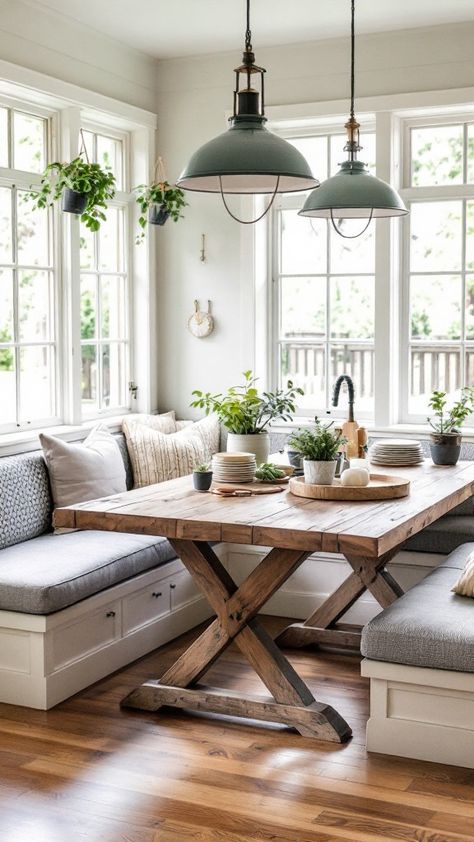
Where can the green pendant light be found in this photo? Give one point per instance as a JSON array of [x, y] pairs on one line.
[[247, 158], [353, 193]]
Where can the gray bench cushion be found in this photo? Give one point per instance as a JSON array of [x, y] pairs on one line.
[[443, 536], [53, 571], [427, 627]]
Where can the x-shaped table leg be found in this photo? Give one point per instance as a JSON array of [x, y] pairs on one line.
[[368, 574], [236, 609]]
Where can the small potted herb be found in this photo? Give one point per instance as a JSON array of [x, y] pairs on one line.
[[202, 477], [246, 414], [445, 445], [158, 202], [84, 189], [319, 448]]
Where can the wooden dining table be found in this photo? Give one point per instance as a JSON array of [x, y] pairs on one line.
[[368, 534]]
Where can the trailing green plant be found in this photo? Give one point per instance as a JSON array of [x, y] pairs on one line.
[[450, 420], [202, 469], [242, 410], [96, 183], [268, 472], [320, 444], [159, 193]]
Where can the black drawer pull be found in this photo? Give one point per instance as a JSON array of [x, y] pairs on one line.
[[156, 594], [110, 614], [172, 587]]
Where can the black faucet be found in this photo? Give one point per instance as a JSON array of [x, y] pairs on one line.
[[350, 390]]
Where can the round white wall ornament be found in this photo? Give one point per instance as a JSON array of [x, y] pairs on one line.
[[201, 323]]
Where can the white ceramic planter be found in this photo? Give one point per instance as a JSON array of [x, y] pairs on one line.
[[319, 473], [257, 443]]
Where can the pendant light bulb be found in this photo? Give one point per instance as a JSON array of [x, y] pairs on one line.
[[247, 159], [353, 193]]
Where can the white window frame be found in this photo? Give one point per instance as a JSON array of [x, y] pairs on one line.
[[70, 107]]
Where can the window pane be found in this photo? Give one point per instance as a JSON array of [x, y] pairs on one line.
[[366, 154], [435, 307], [304, 364], [87, 246], [432, 368], [36, 383], [437, 155], [470, 153], [470, 235], [109, 156], [6, 306], [358, 362], [352, 307], [89, 375], [112, 307], [469, 311], [5, 225], [347, 254], [32, 227], [303, 247], [7, 386], [88, 307], [34, 306], [303, 307], [28, 142], [89, 142], [436, 236], [113, 374], [111, 242], [4, 137], [314, 149]]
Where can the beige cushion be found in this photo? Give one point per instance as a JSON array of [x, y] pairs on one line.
[[84, 471], [164, 423], [157, 457], [465, 584]]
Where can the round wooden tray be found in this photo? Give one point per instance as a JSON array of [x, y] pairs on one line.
[[380, 487]]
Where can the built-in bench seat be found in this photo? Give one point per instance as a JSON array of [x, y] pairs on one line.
[[419, 655]]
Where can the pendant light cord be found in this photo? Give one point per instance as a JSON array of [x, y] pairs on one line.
[[351, 236], [248, 33], [248, 221], [352, 59]]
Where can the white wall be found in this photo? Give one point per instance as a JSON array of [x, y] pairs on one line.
[[58, 46], [193, 96]]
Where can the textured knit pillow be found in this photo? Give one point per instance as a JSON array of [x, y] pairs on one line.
[[157, 457], [86, 470], [465, 584], [164, 423]]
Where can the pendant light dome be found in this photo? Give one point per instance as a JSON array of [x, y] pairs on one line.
[[247, 158], [353, 193]]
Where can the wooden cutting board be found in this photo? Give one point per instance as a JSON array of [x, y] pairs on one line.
[[249, 489]]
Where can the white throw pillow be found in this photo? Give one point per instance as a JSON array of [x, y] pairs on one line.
[[465, 584], [157, 457], [164, 423], [86, 470]]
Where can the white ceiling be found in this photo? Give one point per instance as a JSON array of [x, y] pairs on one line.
[[172, 28]]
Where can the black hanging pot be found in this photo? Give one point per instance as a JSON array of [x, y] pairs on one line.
[[74, 202], [445, 448], [158, 214]]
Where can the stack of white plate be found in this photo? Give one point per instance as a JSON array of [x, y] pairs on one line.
[[234, 467], [397, 452]]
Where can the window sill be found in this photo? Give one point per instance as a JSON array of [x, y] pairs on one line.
[[421, 431], [12, 444]]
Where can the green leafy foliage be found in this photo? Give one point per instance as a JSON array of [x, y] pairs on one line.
[[160, 193], [83, 177], [450, 420], [268, 472], [202, 469], [243, 411], [320, 444]]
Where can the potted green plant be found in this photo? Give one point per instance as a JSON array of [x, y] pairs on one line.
[[246, 414], [84, 189], [157, 202], [202, 477], [319, 448], [445, 445]]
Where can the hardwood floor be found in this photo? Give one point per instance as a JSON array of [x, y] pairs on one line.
[[88, 770]]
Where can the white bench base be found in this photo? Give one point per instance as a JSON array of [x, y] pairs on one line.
[[424, 714], [45, 659]]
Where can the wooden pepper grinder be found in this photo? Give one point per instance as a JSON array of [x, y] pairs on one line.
[[350, 427]]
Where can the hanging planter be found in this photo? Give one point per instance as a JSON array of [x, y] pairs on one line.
[[158, 201], [83, 188]]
